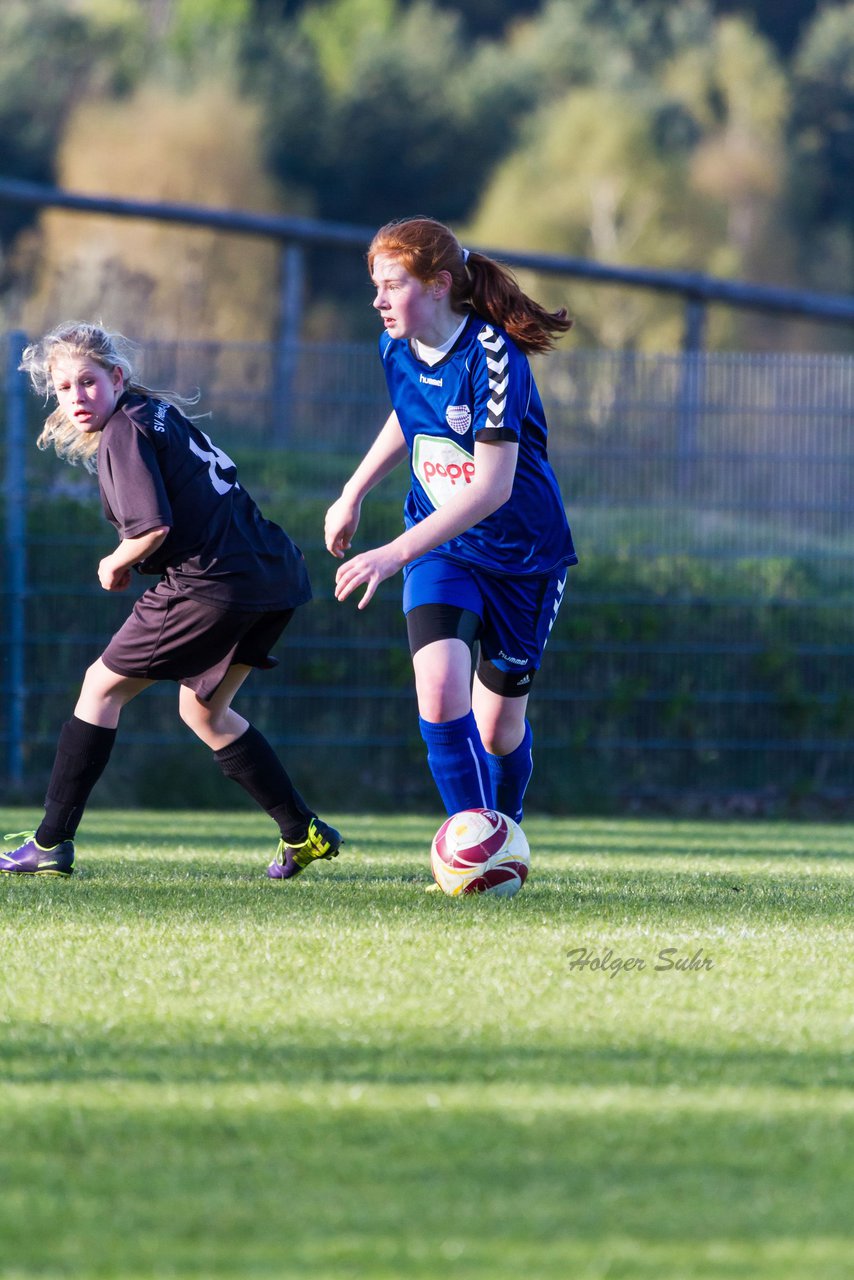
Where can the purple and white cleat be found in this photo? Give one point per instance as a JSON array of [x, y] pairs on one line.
[[30, 859]]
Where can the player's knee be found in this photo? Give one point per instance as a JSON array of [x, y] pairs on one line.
[[96, 678], [441, 705], [103, 688], [500, 740], [194, 714], [501, 727]]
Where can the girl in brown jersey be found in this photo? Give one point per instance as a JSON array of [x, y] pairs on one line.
[[228, 584]]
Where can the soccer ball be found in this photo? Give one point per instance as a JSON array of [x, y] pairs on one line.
[[480, 851]]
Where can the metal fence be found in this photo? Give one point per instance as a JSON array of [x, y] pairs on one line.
[[704, 656]]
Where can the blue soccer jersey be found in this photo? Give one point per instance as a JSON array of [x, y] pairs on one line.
[[483, 389]]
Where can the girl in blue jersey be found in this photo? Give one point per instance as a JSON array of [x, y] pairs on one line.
[[228, 584], [486, 543]]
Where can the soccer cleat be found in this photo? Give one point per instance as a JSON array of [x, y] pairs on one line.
[[321, 842], [30, 859]]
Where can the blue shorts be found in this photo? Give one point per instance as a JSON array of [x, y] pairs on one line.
[[516, 614]]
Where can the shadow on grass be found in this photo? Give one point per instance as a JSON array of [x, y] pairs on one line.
[[156, 886], [43, 1055], [301, 1189], [229, 833]]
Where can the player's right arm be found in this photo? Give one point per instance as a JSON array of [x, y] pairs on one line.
[[342, 519], [114, 569]]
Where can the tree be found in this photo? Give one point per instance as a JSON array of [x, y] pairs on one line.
[[403, 116], [780, 21], [736, 92], [44, 66], [591, 181], [490, 18], [677, 163], [823, 122], [197, 145]]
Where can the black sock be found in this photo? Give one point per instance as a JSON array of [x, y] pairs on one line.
[[81, 757], [251, 762]]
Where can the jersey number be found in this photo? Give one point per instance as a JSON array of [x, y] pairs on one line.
[[215, 458]]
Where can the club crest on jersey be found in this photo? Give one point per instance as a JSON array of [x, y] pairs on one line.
[[458, 418]]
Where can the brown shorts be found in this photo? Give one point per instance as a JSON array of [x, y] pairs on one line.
[[169, 636]]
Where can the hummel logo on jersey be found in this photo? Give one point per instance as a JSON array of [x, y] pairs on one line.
[[431, 382], [497, 361], [517, 662], [458, 418]]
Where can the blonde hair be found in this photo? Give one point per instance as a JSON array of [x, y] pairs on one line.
[[79, 340], [424, 247]]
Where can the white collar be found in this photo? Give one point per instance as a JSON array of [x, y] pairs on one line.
[[432, 355]]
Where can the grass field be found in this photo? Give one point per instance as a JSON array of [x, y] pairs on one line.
[[208, 1075]]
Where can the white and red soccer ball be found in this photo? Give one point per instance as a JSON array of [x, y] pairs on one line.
[[480, 851]]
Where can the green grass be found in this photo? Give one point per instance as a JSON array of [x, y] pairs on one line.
[[208, 1075]]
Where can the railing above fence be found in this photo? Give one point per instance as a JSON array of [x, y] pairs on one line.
[[295, 234]]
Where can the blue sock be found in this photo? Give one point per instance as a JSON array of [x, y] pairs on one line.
[[510, 776], [457, 761]]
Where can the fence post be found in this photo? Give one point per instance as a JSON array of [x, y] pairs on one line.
[[690, 394], [694, 331], [290, 330], [15, 483]]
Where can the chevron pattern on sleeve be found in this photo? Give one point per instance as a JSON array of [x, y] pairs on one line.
[[497, 361]]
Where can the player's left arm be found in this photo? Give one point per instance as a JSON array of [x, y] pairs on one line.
[[490, 488]]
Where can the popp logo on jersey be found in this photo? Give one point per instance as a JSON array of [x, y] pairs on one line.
[[441, 466]]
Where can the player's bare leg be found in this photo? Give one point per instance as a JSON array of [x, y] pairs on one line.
[[215, 721], [104, 695], [501, 720], [507, 739], [443, 680], [246, 757]]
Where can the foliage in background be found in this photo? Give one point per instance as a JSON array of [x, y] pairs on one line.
[[404, 116], [822, 140], [667, 170], [42, 66], [161, 142], [709, 136]]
